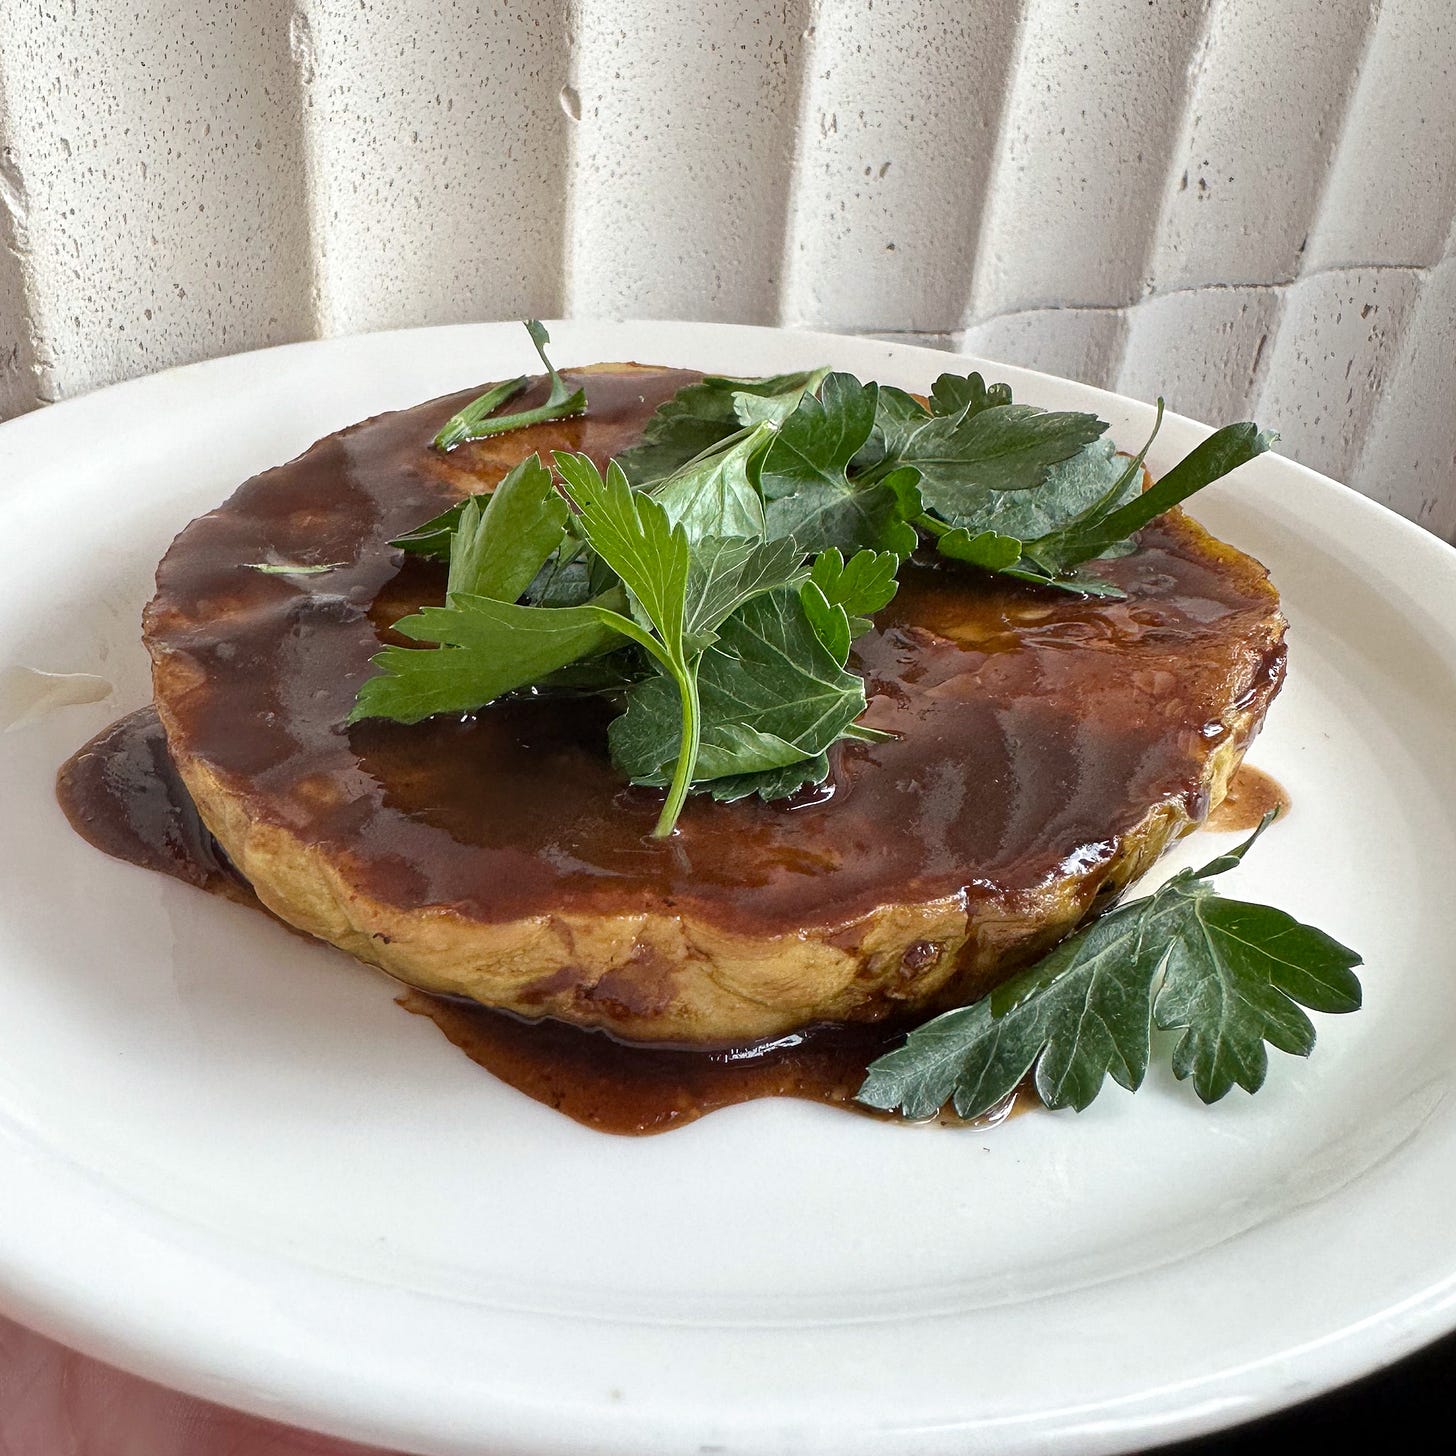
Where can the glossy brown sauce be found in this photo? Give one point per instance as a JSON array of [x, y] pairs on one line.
[[1251, 794], [122, 793], [616, 1087], [1031, 730]]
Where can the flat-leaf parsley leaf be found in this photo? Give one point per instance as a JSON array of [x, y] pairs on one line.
[[1229, 975]]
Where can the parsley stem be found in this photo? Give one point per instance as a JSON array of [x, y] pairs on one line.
[[463, 426], [686, 675], [478, 419]]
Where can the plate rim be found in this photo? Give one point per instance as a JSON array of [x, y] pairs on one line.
[[135, 1338]]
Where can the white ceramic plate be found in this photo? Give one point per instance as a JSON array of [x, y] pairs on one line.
[[230, 1163]]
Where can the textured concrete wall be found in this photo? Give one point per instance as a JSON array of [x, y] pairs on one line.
[[1246, 206]]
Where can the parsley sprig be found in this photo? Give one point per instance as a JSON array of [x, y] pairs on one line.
[[679, 599], [479, 419], [713, 579], [1226, 975], [775, 693], [1031, 493]]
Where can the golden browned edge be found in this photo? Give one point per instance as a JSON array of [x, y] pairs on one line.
[[671, 977]]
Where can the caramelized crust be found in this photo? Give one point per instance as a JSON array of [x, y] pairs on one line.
[[1049, 748]]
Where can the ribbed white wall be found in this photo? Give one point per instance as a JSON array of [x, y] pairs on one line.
[[1246, 205]]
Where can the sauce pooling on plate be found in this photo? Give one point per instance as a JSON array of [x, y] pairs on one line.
[[122, 793], [1251, 795], [1029, 731]]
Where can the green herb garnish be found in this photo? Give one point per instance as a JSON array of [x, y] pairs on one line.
[[1229, 975], [635, 538], [811, 494], [1010, 488], [478, 419], [718, 493], [288, 568], [701, 415], [771, 691], [985, 447], [668, 596], [712, 581]]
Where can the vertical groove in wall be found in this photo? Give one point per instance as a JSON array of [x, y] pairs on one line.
[[1322, 183], [683, 157], [1195, 69], [1408, 457], [159, 155], [1308, 316], [1355, 326], [1236, 210], [1392, 187], [570, 100], [1339, 344], [798, 58], [301, 52], [20, 379], [822, 24], [439, 155], [1202, 349], [1095, 96], [1389, 201], [898, 126], [1238, 207]]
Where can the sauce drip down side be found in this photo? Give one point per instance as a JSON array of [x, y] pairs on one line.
[[1251, 795], [613, 1086], [1028, 730], [122, 794], [1026, 734]]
